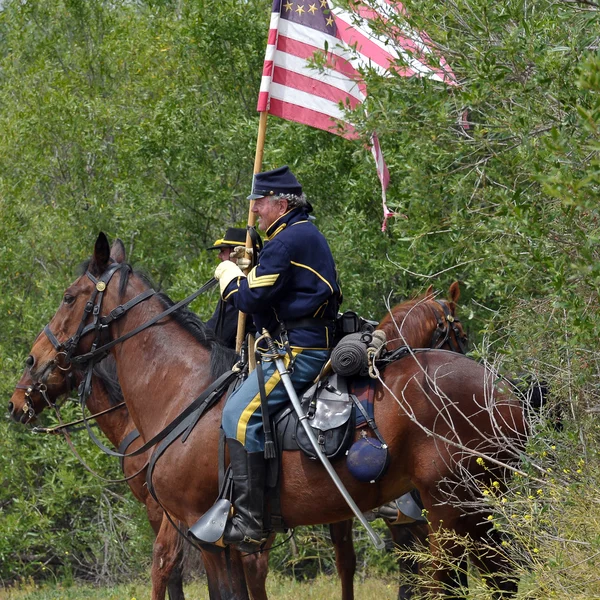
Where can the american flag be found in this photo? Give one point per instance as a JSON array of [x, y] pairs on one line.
[[294, 90]]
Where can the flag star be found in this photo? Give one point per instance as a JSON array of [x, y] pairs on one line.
[[312, 9], [323, 3], [288, 5], [329, 21], [300, 9]]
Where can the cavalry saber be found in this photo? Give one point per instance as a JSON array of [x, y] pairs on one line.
[[289, 388]]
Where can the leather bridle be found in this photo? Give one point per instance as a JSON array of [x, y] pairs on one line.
[[98, 324], [447, 324], [65, 357]]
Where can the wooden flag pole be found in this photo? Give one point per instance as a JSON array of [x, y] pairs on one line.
[[258, 158]]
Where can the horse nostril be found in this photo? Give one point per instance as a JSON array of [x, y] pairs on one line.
[[30, 362], [11, 407]]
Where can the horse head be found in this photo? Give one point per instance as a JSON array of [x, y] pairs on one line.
[[426, 322], [32, 396], [49, 369]]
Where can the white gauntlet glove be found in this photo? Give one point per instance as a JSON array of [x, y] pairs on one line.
[[226, 272]]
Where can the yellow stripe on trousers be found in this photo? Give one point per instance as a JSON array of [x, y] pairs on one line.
[[255, 402]]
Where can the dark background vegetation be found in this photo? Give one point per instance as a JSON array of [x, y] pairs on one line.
[[138, 118]]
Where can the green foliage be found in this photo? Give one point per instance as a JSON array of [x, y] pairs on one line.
[[495, 197], [138, 118], [310, 553]]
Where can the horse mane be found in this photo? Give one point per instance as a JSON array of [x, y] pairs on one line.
[[404, 315], [106, 371], [222, 358]]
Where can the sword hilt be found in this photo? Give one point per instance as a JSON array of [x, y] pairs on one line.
[[270, 343]]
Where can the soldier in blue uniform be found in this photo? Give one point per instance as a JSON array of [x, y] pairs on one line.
[[294, 294], [225, 318]]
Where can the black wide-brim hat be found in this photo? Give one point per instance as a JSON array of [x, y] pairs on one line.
[[275, 182], [234, 236]]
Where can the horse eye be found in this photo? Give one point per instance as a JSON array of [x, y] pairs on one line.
[[68, 299]]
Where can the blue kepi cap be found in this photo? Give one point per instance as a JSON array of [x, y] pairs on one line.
[[275, 182]]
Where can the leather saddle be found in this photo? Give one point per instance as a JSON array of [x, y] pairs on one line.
[[330, 410]]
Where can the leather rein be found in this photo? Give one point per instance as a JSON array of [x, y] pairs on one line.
[[99, 324]]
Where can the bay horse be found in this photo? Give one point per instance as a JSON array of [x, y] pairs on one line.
[[424, 322], [437, 410], [32, 396]]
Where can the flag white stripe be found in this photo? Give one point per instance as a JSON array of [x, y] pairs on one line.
[[270, 53], [265, 82], [306, 100], [274, 20]]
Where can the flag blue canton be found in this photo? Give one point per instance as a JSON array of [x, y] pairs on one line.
[[316, 15]]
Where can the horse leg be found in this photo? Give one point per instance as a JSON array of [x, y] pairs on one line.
[[256, 567], [166, 563], [175, 583], [450, 564], [495, 567], [345, 557], [225, 575], [405, 537], [452, 579]]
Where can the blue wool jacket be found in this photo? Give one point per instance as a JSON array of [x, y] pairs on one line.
[[294, 279]]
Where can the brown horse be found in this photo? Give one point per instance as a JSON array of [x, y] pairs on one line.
[[422, 322], [116, 425], [437, 411], [31, 397]]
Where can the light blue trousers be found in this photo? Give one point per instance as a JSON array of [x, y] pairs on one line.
[[242, 415]]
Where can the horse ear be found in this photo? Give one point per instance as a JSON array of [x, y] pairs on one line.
[[454, 295], [101, 256], [429, 291], [117, 251]]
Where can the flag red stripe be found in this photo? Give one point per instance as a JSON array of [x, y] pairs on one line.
[[313, 87], [397, 6], [272, 37], [267, 68], [404, 42], [419, 51], [263, 99], [306, 116]]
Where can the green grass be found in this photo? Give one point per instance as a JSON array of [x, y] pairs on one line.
[[321, 588]]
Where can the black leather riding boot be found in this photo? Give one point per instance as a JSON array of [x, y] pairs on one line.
[[245, 529]]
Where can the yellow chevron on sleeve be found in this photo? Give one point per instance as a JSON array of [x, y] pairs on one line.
[[255, 281]]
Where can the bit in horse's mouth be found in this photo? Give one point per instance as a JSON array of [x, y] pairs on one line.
[[21, 415], [26, 418]]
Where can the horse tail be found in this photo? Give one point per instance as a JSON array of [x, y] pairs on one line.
[[534, 395]]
